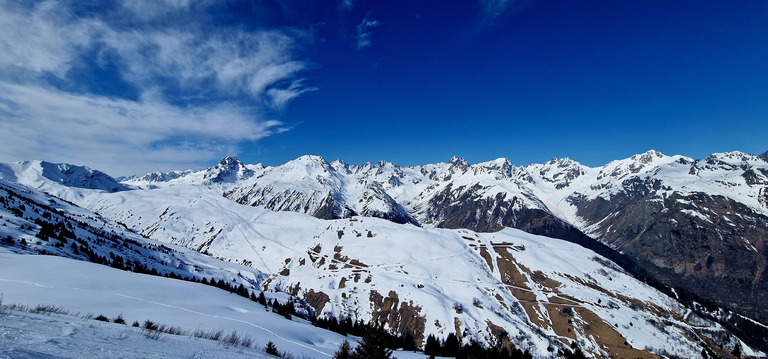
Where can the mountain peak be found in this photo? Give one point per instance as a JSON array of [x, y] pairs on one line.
[[647, 157], [499, 164], [732, 157], [764, 156], [79, 176], [458, 161], [458, 165], [230, 169], [230, 161], [562, 162], [310, 159]]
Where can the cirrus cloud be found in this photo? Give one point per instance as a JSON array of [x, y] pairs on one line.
[[119, 136], [200, 90]]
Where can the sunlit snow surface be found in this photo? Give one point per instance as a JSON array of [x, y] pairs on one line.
[[82, 288]]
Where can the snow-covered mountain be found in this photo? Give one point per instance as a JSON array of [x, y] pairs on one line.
[[32, 173], [500, 287], [694, 224]]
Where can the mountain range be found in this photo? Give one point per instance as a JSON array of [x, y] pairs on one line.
[[699, 225], [431, 250]]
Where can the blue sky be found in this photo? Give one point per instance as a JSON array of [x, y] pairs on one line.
[[137, 86]]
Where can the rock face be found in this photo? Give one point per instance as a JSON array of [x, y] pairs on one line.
[[699, 225], [710, 245], [764, 156]]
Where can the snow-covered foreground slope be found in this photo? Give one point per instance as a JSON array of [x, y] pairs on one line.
[[80, 287], [43, 336]]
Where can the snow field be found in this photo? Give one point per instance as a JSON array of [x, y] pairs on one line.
[[89, 288]]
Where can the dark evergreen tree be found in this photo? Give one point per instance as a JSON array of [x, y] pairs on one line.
[[241, 291], [8, 240], [451, 346], [737, 350], [409, 342], [373, 345], [262, 299], [271, 349], [432, 347], [344, 352]]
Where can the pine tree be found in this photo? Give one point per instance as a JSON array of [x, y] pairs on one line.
[[409, 342], [373, 346], [241, 291], [432, 347], [261, 299], [344, 352], [271, 349], [451, 346], [737, 350]]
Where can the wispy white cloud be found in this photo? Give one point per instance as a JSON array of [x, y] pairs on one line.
[[41, 39], [239, 75], [364, 32], [115, 135], [153, 9], [233, 62]]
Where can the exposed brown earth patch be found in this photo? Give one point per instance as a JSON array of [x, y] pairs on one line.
[[608, 338], [508, 270], [404, 318], [316, 300], [294, 290], [457, 327], [561, 323], [487, 256]]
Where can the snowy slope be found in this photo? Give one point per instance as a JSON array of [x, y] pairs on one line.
[[36, 222], [28, 335], [429, 281], [80, 287]]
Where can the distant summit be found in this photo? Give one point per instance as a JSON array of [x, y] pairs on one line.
[[36, 172], [229, 170]]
